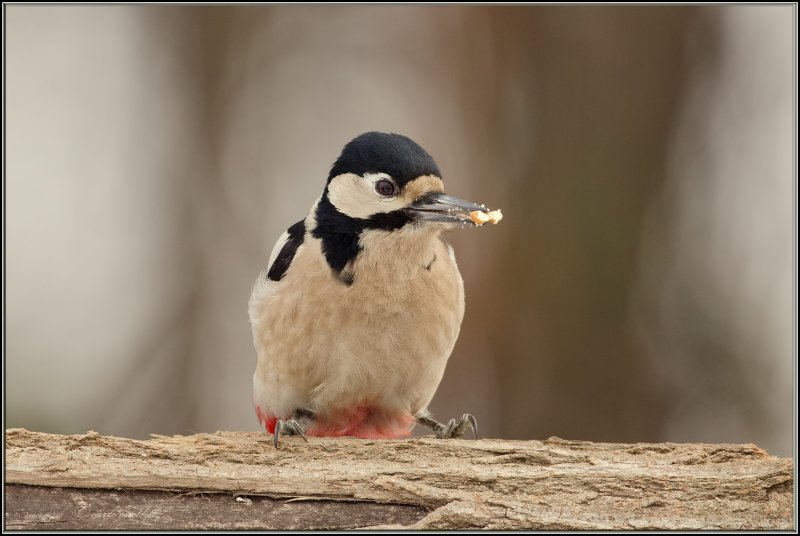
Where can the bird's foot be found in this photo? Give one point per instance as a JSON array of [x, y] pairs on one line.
[[453, 429], [290, 427]]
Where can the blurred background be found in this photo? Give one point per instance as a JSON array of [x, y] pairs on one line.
[[640, 287]]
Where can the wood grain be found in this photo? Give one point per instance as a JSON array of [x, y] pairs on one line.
[[44, 508], [463, 484]]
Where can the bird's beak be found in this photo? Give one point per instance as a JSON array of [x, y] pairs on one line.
[[440, 207]]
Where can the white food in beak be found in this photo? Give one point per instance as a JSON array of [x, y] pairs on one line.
[[480, 217]]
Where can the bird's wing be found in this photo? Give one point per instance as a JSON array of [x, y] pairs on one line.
[[279, 261], [284, 250], [277, 249]]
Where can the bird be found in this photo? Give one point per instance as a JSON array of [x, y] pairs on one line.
[[361, 303]]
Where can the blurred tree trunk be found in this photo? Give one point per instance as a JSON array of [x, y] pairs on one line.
[[566, 354]]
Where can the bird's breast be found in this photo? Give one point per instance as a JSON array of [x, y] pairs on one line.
[[380, 343]]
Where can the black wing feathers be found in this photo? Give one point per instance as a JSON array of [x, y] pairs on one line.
[[284, 259]]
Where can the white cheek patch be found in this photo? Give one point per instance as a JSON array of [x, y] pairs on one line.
[[356, 196]]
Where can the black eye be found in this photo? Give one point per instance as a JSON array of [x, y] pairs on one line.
[[385, 188]]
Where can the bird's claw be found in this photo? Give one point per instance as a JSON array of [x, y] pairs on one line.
[[473, 423], [456, 429], [291, 427]]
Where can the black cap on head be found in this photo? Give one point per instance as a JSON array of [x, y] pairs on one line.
[[377, 152]]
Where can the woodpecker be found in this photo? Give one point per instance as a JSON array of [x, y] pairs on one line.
[[361, 304]]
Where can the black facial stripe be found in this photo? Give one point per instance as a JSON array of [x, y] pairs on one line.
[[284, 259], [387, 221], [339, 232], [376, 152]]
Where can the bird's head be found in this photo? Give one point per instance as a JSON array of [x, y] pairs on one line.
[[384, 185], [387, 181]]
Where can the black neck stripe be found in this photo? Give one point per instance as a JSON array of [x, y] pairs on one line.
[[339, 232]]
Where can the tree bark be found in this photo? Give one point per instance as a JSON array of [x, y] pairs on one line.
[[417, 483]]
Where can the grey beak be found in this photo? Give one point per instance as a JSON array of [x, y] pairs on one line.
[[439, 207]]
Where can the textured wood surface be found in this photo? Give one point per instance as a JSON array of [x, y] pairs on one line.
[[554, 484], [44, 508]]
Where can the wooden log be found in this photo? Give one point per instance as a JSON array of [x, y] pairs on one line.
[[230, 480], [44, 508]]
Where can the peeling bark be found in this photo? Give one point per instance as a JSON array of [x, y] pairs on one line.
[[453, 484]]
